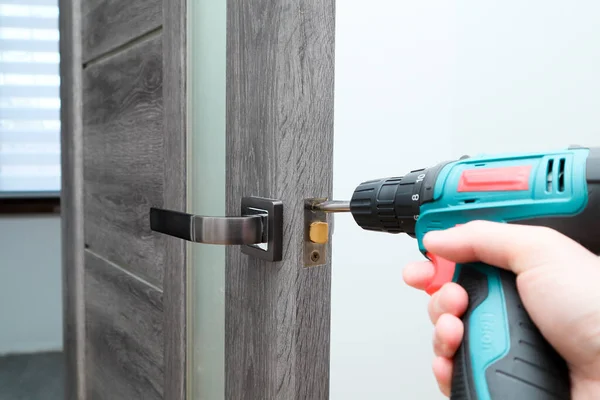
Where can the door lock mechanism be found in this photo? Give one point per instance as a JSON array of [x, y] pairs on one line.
[[259, 228]]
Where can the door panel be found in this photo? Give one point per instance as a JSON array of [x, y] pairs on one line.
[[125, 305], [123, 166], [108, 24], [280, 66], [124, 332], [123, 151]]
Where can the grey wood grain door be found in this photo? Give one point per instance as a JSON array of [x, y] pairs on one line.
[[125, 88]]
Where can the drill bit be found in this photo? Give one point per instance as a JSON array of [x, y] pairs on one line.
[[331, 206]]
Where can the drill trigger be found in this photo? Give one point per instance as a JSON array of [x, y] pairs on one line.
[[443, 273]]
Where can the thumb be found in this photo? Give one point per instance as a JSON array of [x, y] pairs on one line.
[[514, 247]]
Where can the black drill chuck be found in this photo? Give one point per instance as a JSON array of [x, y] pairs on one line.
[[392, 204]]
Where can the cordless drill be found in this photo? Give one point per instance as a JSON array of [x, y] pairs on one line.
[[502, 355]]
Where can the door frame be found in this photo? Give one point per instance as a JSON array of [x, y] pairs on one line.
[[175, 195], [71, 198]]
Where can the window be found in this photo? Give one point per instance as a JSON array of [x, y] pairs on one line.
[[29, 99]]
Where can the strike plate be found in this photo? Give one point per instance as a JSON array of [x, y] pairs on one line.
[[315, 254]]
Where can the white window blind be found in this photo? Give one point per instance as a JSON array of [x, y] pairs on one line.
[[29, 98]]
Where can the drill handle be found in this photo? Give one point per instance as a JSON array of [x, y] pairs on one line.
[[503, 355]]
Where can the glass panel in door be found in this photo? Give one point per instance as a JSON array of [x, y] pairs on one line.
[[206, 195]]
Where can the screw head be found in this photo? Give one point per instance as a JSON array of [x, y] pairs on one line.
[[315, 256]]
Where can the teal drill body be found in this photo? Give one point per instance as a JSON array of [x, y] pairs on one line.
[[553, 184], [503, 355]]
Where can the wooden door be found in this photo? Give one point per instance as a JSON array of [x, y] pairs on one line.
[[123, 129], [125, 150]]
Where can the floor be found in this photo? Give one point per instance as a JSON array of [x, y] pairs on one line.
[[36, 376]]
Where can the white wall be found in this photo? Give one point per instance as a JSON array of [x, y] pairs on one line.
[[421, 82], [30, 284]]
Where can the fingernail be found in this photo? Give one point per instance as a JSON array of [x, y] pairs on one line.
[[445, 389], [434, 236], [440, 233]]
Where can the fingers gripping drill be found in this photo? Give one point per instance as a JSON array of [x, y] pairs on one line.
[[503, 355]]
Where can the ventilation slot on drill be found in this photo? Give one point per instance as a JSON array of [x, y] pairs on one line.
[[549, 169], [561, 175]]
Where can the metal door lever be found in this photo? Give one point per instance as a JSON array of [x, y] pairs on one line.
[[210, 230], [259, 229]]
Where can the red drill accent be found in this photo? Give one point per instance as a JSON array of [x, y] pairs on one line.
[[495, 179]]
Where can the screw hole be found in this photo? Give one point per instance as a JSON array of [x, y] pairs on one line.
[[315, 256]]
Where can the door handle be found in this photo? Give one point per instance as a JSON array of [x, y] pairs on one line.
[[259, 228], [210, 230]]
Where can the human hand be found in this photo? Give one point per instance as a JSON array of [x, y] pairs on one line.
[[558, 281]]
